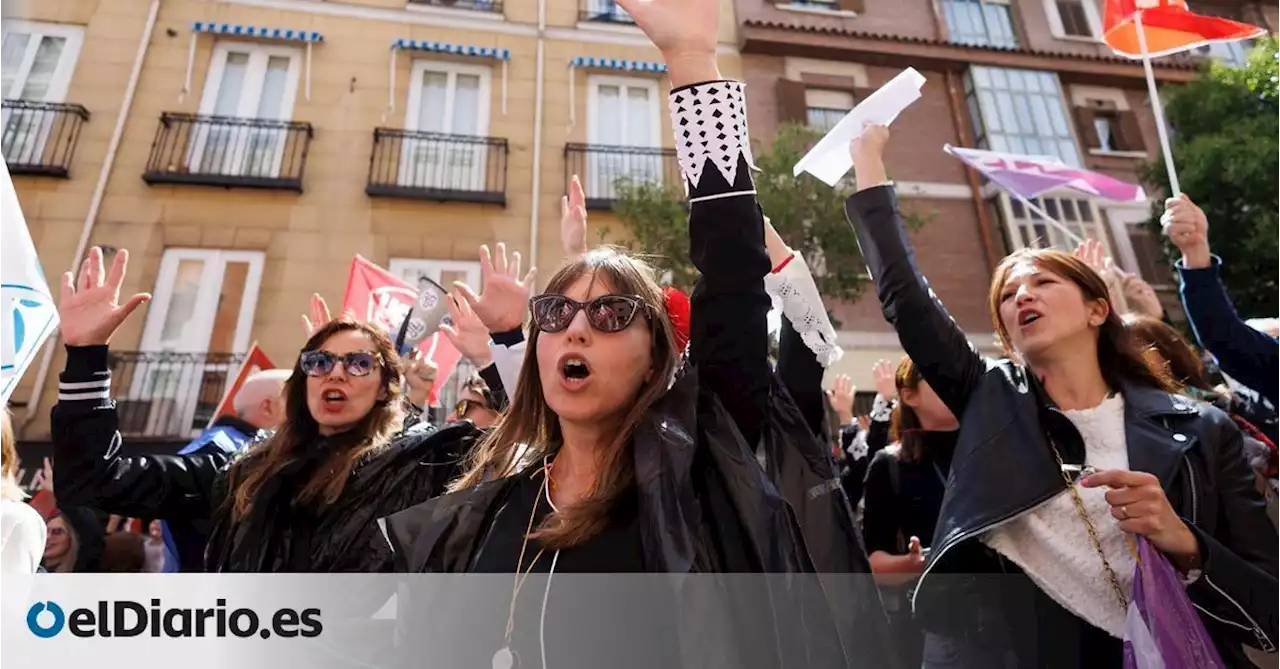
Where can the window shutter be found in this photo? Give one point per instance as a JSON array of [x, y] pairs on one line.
[[852, 5], [1088, 133], [791, 103], [1131, 132]]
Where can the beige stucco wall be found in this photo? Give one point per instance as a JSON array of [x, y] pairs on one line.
[[310, 238]]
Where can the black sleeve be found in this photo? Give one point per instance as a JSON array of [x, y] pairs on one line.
[[877, 436], [926, 331], [801, 373], [1236, 592], [89, 469], [880, 520], [729, 343], [494, 380]]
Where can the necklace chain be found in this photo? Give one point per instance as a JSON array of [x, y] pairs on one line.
[[1092, 531], [522, 573]]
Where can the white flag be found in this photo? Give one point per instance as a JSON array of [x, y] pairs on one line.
[[29, 312], [829, 159]]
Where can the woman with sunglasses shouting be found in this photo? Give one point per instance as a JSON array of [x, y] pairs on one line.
[[306, 499], [610, 460]]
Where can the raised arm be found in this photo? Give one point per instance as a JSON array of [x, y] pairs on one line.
[[86, 442], [926, 331]]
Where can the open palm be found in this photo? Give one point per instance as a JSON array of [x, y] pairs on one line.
[[89, 309], [505, 297], [573, 220], [677, 27], [467, 333]]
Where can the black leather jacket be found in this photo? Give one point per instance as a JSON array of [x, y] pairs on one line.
[[1004, 465]]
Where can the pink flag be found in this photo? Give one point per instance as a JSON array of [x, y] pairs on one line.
[[1029, 176]]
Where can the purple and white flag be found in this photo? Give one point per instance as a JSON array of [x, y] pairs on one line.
[[1029, 176]]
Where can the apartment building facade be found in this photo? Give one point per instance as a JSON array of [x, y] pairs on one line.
[[244, 151], [1020, 76]]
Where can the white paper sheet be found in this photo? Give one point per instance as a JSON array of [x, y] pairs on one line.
[[829, 159]]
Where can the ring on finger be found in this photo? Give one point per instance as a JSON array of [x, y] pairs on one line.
[[1124, 512]]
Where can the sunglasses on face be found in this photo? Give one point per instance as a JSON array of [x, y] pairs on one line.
[[465, 406], [608, 313], [321, 363]]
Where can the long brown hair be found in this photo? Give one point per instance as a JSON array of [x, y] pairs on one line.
[[1119, 355], [1179, 357], [9, 488], [530, 423], [905, 427], [300, 429]]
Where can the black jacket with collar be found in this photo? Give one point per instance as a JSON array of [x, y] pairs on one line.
[[1004, 465]]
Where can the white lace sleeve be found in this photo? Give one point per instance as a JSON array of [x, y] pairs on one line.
[[802, 305]]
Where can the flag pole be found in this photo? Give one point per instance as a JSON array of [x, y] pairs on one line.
[[1156, 108]]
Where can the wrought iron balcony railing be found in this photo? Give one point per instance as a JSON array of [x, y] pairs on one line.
[[40, 137], [603, 11], [169, 396], [230, 152], [494, 6], [435, 166], [601, 168]]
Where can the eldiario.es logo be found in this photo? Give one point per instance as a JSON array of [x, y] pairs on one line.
[[122, 618]]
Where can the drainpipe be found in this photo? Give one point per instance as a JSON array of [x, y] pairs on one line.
[[95, 203], [540, 79], [975, 186]]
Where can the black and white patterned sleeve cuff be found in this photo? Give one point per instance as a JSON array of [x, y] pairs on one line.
[[881, 409], [87, 378], [712, 143]]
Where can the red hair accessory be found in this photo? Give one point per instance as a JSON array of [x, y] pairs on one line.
[[678, 312]]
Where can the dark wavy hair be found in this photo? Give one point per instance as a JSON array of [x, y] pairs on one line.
[[1119, 355], [1177, 355], [905, 427], [299, 429]]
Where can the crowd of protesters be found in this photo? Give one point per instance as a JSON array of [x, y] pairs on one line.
[[634, 429]]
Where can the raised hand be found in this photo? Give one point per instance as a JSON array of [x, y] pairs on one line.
[[89, 310], [318, 316], [684, 31], [573, 221], [883, 373], [1140, 296], [467, 333], [867, 153], [505, 298], [841, 398], [1188, 229], [1091, 253], [420, 375]]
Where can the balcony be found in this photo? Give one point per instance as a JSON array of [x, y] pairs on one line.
[[601, 168], [603, 11], [40, 137], [439, 167], [169, 396], [229, 152], [494, 6]]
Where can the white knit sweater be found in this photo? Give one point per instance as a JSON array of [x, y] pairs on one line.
[[1050, 542]]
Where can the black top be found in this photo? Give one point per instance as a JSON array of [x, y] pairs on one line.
[[889, 519], [584, 624]]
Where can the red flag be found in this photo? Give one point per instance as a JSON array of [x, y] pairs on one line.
[[256, 361], [1169, 27], [377, 296]]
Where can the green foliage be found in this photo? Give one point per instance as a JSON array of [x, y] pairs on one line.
[[1224, 127], [807, 213]]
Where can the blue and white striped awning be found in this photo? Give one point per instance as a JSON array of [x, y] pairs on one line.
[[617, 64], [257, 31], [455, 49]]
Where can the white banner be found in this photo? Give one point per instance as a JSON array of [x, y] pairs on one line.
[[29, 311]]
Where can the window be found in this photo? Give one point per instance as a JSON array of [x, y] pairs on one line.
[[1107, 125], [1074, 19], [825, 108], [1233, 54], [443, 272], [204, 303], [1020, 111], [246, 81], [624, 118], [1137, 249], [1105, 121], [979, 23], [1028, 229], [606, 10], [38, 60], [445, 99], [37, 63]]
